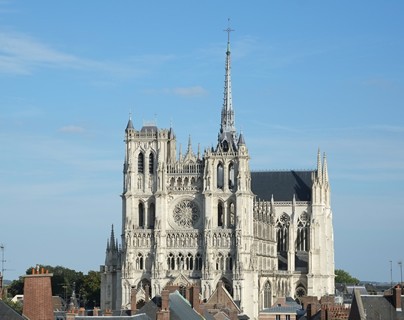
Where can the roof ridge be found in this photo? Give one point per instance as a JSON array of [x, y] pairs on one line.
[[284, 170]]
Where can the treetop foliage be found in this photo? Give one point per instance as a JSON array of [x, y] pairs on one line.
[[65, 281], [341, 276]]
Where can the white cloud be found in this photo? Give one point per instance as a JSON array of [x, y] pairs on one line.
[[72, 129], [22, 54], [189, 91], [19, 53]]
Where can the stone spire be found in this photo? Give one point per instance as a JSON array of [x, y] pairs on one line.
[[227, 136], [129, 126], [112, 239], [319, 166], [325, 169]]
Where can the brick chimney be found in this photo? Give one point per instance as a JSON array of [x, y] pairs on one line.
[[165, 294], [397, 298], [38, 295], [195, 299], [164, 313]]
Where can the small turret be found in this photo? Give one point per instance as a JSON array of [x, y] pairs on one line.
[[241, 141], [129, 126]]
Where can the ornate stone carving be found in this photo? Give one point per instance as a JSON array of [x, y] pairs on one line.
[[186, 214]]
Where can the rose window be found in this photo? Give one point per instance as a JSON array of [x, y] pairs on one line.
[[186, 214]]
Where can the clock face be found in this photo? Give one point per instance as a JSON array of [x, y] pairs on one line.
[[186, 214]]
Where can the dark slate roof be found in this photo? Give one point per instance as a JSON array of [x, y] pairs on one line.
[[135, 317], [180, 309], [378, 307], [8, 313], [149, 128], [282, 185], [151, 307]]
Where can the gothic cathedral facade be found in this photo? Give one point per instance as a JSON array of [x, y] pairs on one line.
[[205, 218]]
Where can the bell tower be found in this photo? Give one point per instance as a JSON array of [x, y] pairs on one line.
[[228, 201]]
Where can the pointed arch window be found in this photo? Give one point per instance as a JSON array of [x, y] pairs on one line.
[[267, 295], [151, 163], [198, 261], [231, 176], [220, 214], [302, 237], [220, 176], [189, 262], [152, 215], [180, 262], [141, 215], [140, 163], [139, 261], [220, 262], [282, 232], [171, 262], [229, 262], [232, 214], [225, 146]]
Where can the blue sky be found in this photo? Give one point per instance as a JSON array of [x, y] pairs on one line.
[[305, 75]]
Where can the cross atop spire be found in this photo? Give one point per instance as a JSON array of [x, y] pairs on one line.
[[228, 30]]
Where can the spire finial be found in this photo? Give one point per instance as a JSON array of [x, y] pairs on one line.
[[319, 165], [325, 169], [228, 30]]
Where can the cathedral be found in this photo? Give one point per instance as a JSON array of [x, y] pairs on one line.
[[203, 218]]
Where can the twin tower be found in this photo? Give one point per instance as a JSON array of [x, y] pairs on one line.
[[204, 218]]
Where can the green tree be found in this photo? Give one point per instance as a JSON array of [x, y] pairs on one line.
[[341, 276], [64, 282], [17, 306], [91, 289]]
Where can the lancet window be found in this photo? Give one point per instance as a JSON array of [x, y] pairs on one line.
[[180, 262], [152, 215], [171, 262], [141, 215], [140, 163], [220, 262], [189, 262], [198, 261], [302, 237], [229, 262], [231, 176], [232, 214], [282, 232], [151, 163], [220, 176], [139, 262], [220, 214], [267, 295]]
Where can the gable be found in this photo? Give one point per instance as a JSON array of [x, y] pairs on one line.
[[221, 298]]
